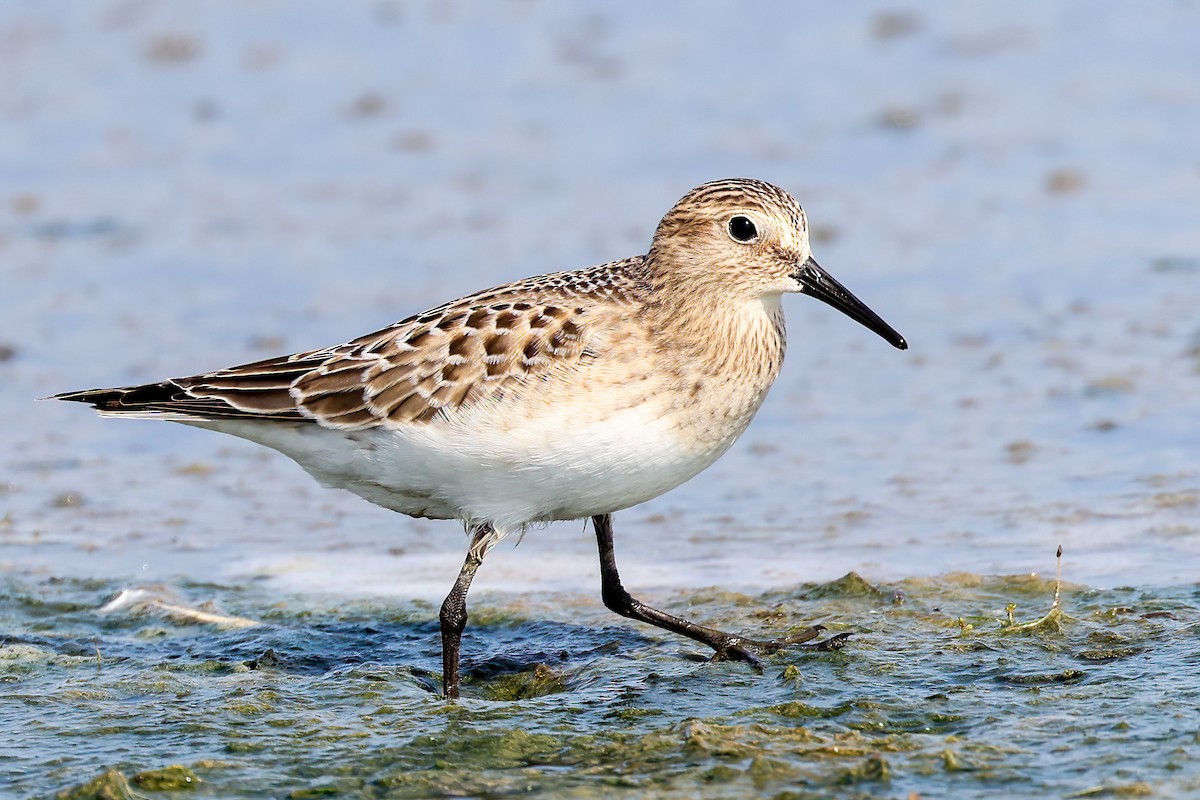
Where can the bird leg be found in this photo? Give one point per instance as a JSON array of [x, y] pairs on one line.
[[453, 616], [724, 645]]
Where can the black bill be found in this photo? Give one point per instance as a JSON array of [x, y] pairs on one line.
[[821, 285]]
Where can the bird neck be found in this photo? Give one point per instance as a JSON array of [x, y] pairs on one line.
[[741, 338]]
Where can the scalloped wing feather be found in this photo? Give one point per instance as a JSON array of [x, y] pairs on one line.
[[473, 350]]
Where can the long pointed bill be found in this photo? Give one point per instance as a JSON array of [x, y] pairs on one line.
[[821, 285]]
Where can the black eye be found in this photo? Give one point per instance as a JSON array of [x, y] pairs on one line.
[[742, 229]]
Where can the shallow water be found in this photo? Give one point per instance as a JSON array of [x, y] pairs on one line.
[[187, 186], [958, 686]]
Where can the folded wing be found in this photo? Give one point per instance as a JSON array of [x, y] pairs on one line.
[[411, 372]]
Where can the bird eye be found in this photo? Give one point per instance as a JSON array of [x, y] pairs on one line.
[[742, 229]]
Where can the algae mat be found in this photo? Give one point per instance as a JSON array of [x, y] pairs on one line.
[[957, 686]]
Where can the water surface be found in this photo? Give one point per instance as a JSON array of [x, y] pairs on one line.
[[188, 186]]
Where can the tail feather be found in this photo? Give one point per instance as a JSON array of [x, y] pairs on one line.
[[171, 400]]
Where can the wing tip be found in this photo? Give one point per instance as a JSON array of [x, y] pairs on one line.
[[120, 400], [175, 401], [97, 397]]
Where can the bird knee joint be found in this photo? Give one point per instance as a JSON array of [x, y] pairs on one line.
[[619, 601]]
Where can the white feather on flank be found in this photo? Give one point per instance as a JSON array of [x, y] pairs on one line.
[[556, 467], [165, 416]]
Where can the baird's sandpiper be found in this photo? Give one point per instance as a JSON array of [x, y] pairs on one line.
[[559, 397]]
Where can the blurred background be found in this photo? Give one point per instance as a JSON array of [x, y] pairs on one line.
[[185, 186]]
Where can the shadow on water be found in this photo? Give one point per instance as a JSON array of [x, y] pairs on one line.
[[959, 685]]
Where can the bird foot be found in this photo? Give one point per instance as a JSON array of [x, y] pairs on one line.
[[741, 648]]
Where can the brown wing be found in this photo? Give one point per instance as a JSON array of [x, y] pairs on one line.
[[463, 356], [443, 359], [465, 352]]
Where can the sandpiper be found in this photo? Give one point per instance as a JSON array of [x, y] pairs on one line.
[[559, 397]]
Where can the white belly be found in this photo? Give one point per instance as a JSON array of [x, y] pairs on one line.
[[550, 467]]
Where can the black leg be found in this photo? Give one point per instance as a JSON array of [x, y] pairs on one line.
[[724, 645], [454, 608]]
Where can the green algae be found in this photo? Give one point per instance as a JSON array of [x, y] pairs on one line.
[[168, 779], [335, 702], [873, 768], [850, 585], [539, 681], [1128, 790], [110, 785]]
